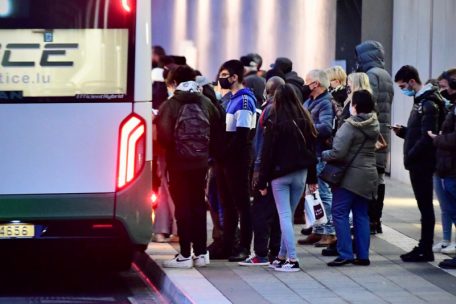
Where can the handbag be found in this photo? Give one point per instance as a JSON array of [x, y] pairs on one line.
[[333, 174]]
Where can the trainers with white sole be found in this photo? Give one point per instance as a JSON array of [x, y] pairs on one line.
[[201, 260], [450, 249], [289, 266], [255, 261], [179, 261], [439, 246]]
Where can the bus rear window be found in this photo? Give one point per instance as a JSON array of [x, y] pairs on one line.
[[66, 51]]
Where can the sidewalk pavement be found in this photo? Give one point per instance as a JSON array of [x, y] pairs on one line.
[[387, 280]]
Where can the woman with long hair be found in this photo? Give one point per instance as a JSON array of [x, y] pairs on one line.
[[288, 160]]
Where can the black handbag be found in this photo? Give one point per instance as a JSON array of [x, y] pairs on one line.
[[334, 173]]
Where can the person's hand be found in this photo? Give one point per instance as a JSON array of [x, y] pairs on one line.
[[255, 179], [396, 129], [432, 135], [264, 191], [313, 188]]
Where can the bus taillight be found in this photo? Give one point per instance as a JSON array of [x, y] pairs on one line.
[[132, 149]]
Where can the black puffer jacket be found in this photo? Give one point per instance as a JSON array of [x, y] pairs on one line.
[[371, 59], [446, 146], [284, 151], [426, 115]]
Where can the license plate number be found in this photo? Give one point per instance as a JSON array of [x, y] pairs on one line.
[[12, 231]]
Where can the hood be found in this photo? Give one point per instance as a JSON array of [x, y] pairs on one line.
[[189, 86], [244, 91], [370, 54], [429, 92], [187, 97], [366, 122], [293, 77]]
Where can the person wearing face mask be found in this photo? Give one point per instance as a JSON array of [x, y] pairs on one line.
[[445, 143], [338, 89], [235, 186], [354, 144], [445, 175], [320, 107], [419, 153]]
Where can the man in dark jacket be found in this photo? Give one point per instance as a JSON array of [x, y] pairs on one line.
[[419, 153], [235, 189], [285, 66], [445, 143], [321, 109], [187, 172], [370, 57]]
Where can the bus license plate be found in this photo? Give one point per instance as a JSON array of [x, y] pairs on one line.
[[12, 231]]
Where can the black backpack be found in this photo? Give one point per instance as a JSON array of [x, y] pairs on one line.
[[192, 132]]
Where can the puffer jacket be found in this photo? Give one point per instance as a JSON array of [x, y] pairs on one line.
[[426, 115], [322, 112], [361, 176], [371, 56], [446, 146]]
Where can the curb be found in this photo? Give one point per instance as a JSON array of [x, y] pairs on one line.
[[159, 278]]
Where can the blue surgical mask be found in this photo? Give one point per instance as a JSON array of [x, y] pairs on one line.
[[408, 92], [218, 95]]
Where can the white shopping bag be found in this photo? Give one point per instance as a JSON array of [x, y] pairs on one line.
[[314, 209]]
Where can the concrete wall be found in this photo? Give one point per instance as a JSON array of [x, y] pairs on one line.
[[302, 30], [377, 24], [423, 36]]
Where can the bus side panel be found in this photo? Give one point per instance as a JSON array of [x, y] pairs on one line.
[[134, 207], [59, 148]]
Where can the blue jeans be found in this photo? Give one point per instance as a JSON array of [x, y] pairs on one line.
[[326, 199], [343, 202], [287, 191], [446, 206]]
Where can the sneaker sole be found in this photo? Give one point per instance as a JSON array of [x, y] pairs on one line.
[[253, 264], [288, 270], [178, 267]]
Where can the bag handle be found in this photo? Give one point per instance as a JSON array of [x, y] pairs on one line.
[[300, 133]]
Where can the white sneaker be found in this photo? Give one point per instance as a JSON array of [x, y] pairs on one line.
[[202, 260], [179, 262], [439, 246], [450, 249]]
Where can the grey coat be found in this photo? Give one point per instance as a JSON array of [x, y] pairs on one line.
[[361, 176], [370, 57]]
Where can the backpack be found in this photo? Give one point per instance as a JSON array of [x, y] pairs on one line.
[[192, 132]]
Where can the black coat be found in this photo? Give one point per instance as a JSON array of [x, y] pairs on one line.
[[284, 152], [426, 115], [446, 146]]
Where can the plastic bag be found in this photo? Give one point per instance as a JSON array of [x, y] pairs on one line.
[[314, 209]]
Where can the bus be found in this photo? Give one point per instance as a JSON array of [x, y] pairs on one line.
[[76, 127]]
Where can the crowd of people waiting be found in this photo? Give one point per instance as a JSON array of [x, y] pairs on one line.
[[249, 146]]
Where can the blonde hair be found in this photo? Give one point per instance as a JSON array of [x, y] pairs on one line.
[[337, 73], [359, 81]]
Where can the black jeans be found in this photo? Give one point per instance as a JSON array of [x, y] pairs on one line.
[[423, 188], [376, 205], [234, 189], [266, 225], [187, 191]]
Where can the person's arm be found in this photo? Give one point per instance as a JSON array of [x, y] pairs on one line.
[[447, 141], [374, 84], [325, 120], [428, 123], [266, 158], [341, 145], [164, 122]]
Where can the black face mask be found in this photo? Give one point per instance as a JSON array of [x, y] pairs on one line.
[[225, 83], [447, 96], [306, 91]]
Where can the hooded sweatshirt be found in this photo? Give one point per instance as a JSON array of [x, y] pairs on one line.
[[371, 59], [297, 83], [240, 121], [361, 176]]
